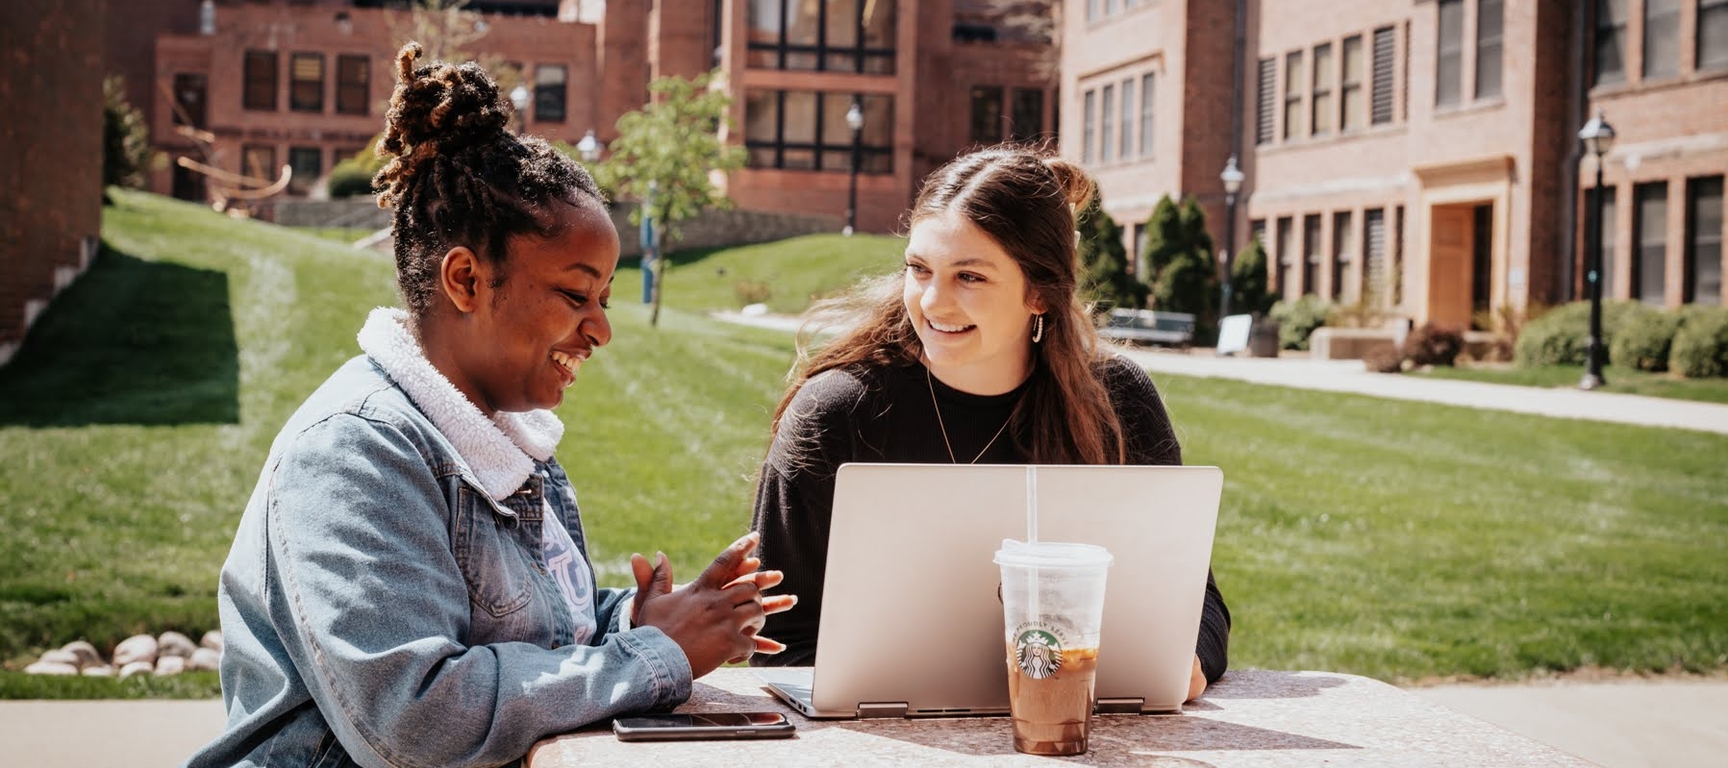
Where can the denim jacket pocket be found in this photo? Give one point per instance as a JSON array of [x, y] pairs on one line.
[[497, 571]]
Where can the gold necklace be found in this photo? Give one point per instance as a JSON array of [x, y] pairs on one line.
[[944, 427]]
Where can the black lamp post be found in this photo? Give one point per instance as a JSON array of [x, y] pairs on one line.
[[1232, 178], [855, 121], [1598, 138], [519, 98]]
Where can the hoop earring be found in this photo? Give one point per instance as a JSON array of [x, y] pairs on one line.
[[1037, 329]]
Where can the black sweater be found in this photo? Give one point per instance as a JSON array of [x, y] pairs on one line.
[[884, 414]]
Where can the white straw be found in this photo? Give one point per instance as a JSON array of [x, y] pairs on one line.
[[1031, 504]]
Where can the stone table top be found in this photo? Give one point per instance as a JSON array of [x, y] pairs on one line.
[[1250, 718]]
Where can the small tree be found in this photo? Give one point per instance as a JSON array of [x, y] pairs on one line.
[[1164, 238], [126, 151], [1248, 290], [667, 155], [1179, 258], [1104, 271]]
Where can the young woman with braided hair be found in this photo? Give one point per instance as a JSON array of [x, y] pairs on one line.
[[409, 584], [978, 351]]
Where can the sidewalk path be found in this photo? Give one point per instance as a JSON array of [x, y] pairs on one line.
[[107, 734], [1349, 376]]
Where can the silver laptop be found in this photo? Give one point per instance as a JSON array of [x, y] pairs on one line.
[[911, 619]]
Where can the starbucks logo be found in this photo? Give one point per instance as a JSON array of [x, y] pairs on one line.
[[1038, 652]]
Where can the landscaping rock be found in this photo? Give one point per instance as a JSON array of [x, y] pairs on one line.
[[170, 665], [135, 648], [86, 653], [136, 667], [174, 644], [205, 658], [60, 657], [99, 670], [51, 668], [212, 640]]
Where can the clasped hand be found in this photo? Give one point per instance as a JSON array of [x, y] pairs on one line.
[[714, 619]]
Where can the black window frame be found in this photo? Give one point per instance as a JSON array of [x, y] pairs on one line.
[[353, 95], [1711, 53], [861, 54], [1656, 24], [1703, 238], [1349, 89], [298, 184], [1320, 92], [1382, 62], [1608, 42], [1025, 114], [985, 124], [300, 96], [261, 78], [1490, 49], [1266, 102], [1449, 54], [193, 112], [867, 152], [551, 100], [1649, 275]]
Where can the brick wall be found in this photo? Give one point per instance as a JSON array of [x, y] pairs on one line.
[[50, 154]]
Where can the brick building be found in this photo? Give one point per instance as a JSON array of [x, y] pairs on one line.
[[303, 83], [1417, 156], [50, 155]]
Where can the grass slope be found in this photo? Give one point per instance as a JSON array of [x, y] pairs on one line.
[[794, 271]]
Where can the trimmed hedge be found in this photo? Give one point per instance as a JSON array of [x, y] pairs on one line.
[[1433, 345], [1643, 342], [1298, 319], [1700, 348], [1562, 336]]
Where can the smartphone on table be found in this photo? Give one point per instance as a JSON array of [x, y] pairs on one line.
[[703, 725]]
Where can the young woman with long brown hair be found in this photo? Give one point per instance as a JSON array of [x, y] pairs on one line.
[[978, 351]]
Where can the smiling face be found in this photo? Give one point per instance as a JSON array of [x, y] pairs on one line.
[[967, 300], [523, 340]]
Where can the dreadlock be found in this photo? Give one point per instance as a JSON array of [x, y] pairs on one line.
[[457, 177]]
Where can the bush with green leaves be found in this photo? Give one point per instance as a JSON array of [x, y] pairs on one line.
[[126, 152], [1298, 319], [1700, 348], [1645, 339], [352, 176], [1104, 272], [1248, 291], [1562, 335], [1183, 271]]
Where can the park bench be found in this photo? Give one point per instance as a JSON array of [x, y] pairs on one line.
[[1144, 326]]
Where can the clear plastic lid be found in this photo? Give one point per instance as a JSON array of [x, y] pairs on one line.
[[1052, 554]]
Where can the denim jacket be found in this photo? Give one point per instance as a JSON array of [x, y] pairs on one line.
[[380, 608]]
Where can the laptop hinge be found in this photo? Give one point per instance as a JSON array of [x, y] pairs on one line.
[[1130, 706], [881, 709]]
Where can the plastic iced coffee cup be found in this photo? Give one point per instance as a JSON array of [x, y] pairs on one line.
[[1053, 611]]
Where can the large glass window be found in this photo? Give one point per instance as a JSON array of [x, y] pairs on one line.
[[1087, 132], [1704, 241], [353, 84], [1294, 125], [260, 75], [189, 94], [1650, 242], [1147, 84], [986, 114], [1385, 46], [822, 35], [1712, 34], [1354, 107], [258, 161], [1490, 42], [1322, 106], [1026, 114], [1374, 274], [306, 83], [1661, 38], [1449, 57], [807, 130], [1607, 244], [1311, 253], [1287, 256], [1107, 137], [1610, 41], [1343, 254], [1125, 149], [308, 165], [549, 93]]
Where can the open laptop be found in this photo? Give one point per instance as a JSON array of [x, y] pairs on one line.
[[911, 618]]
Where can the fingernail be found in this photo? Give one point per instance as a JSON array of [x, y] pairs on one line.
[[748, 538], [659, 559]]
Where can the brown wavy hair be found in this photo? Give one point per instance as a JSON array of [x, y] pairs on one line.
[[1024, 201], [457, 176]]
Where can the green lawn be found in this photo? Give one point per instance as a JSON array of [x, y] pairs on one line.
[[792, 272], [1624, 380], [1394, 539]]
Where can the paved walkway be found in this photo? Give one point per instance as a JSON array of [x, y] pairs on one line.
[[1349, 376]]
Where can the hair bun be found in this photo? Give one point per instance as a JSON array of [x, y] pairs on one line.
[[1077, 186]]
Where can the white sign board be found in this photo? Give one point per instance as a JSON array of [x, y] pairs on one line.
[[1233, 334]]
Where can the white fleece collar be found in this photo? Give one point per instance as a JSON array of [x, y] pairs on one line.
[[501, 450]]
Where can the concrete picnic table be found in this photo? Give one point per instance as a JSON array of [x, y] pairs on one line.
[[1250, 718]]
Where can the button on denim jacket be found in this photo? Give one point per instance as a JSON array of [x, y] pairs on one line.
[[380, 609]]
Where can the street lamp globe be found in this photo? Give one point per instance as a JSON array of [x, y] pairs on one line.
[[588, 147], [1597, 135], [855, 117], [855, 121], [1232, 177], [519, 98]]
